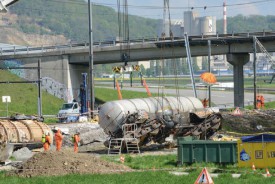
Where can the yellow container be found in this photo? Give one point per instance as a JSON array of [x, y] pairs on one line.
[[259, 153]]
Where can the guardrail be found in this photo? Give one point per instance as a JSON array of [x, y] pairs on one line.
[[13, 50]]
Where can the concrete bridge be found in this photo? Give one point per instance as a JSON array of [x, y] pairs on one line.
[[65, 63]]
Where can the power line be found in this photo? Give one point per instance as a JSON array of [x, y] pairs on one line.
[[186, 7]]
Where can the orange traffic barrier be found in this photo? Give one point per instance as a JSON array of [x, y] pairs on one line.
[[267, 173], [253, 167], [237, 112], [122, 159], [146, 87], [118, 91]]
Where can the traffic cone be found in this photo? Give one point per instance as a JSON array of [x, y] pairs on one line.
[[122, 159], [253, 167], [267, 173]]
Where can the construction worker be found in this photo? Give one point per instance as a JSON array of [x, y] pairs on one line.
[[58, 139], [262, 101], [259, 102], [47, 141], [204, 102], [76, 139]]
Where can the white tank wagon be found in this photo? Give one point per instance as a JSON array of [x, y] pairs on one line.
[[19, 132], [156, 118]]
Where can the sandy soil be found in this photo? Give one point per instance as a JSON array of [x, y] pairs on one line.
[[55, 163]]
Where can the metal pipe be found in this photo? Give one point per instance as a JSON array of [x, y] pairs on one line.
[[190, 64], [39, 90], [209, 70], [254, 71], [91, 61]]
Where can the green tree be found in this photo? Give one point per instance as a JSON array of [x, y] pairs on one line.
[[195, 65], [204, 63], [185, 68], [71, 20], [142, 69]]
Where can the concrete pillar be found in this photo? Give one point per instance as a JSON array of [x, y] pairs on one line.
[[238, 60], [75, 75]]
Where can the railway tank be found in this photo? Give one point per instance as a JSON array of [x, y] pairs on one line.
[[156, 118], [21, 131]]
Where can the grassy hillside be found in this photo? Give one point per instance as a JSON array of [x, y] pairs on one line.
[[24, 97]]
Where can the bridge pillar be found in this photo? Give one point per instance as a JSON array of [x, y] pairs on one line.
[[238, 60]]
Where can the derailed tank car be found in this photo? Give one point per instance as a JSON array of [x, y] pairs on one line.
[[156, 118], [21, 131]]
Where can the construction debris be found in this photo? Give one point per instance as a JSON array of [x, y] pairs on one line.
[[251, 121], [22, 154], [89, 133]]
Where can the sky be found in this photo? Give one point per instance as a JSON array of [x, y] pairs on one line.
[[154, 8]]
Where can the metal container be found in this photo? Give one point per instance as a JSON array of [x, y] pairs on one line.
[[19, 133], [258, 150], [112, 114], [23, 131], [206, 151]]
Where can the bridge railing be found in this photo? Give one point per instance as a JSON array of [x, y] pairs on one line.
[[13, 50]]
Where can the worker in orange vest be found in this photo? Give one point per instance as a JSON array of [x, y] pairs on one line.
[[259, 102], [76, 139], [58, 139], [204, 102], [262, 101], [47, 141]]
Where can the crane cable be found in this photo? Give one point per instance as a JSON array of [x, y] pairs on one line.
[[124, 39], [162, 62]]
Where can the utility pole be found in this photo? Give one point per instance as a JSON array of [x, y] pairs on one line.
[[209, 70], [91, 62], [39, 89], [254, 71]]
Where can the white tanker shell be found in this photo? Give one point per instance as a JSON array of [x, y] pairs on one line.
[[112, 114]]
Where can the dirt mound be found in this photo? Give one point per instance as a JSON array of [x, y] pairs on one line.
[[253, 121], [54, 163]]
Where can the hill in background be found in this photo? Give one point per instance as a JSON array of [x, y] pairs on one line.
[[43, 22], [70, 18]]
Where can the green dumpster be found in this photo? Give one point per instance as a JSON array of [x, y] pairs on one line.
[[206, 151]]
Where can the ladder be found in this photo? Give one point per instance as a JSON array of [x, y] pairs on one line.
[[190, 63], [132, 145], [129, 141], [115, 146]]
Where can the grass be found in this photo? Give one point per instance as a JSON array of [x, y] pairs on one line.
[[107, 94], [24, 97], [148, 172], [147, 162], [248, 81], [268, 105]]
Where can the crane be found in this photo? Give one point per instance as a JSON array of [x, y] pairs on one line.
[[5, 3]]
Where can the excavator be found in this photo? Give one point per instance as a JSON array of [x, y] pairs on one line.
[[5, 3]]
